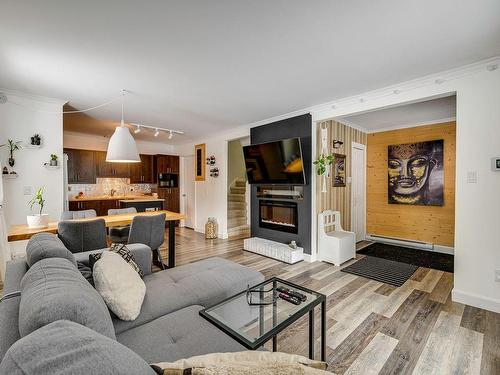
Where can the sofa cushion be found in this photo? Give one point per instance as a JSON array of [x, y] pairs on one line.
[[181, 334], [46, 245], [201, 283], [64, 347], [53, 289], [119, 285]]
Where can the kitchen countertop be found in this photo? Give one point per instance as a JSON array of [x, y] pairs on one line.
[[110, 198], [142, 200]]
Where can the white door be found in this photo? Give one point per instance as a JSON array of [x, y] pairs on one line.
[[188, 196], [358, 191]]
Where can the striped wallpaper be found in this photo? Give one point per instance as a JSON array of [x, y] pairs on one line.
[[337, 198]]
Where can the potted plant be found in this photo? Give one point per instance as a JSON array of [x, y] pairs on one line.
[[322, 163], [13, 146], [53, 160], [39, 220], [36, 140]]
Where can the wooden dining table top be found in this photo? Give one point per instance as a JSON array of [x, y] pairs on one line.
[[23, 232]]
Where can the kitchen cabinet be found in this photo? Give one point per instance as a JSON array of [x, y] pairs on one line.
[[167, 164], [81, 166], [107, 169], [142, 173], [106, 205], [85, 205], [172, 198]]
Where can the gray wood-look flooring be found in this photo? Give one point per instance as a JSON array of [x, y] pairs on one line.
[[375, 328]]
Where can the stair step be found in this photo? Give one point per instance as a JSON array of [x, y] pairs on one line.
[[237, 190], [236, 205], [240, 183], [237, 221], [241, 231], [236, 213], [236, 198]]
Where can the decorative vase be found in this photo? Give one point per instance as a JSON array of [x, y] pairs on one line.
[[11, 162], [38, 221], [211, 228]]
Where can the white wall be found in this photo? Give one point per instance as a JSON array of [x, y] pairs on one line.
[[19, 123], [211, 194], [98, 143]]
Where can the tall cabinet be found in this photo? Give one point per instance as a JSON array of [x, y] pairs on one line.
[[169, 165]]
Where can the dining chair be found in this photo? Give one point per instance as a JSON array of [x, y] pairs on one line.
[[150, 231], [80, 236], [120, 234], [84, 214]]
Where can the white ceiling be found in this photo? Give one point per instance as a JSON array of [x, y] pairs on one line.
[[204, 66], [414, 114]]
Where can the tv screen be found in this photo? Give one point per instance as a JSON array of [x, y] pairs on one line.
[[277, 162]]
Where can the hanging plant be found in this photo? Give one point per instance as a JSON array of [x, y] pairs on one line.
[[13, 146], [322, 163]]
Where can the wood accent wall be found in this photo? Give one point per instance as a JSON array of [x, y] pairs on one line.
[[337, 198], [434, 224]]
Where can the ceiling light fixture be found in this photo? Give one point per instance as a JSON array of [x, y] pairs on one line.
[[138, 129], [122, 147], [170, 135], [158, 130], [157, 133]]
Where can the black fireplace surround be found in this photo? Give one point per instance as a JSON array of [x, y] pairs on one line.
[[278, 215]]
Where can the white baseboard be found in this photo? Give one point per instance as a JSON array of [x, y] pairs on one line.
[[309, 258], [411, 244], [475, 300], [444, 249]]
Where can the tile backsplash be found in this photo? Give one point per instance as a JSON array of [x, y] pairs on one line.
[[103, 186]]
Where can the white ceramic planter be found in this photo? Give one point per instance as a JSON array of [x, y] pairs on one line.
[[38, 221]]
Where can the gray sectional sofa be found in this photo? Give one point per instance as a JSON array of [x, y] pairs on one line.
[[46, 292]]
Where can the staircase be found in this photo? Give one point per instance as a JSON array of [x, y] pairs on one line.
[[237, 226]]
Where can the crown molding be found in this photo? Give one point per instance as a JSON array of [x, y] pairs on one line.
[[38, 98]]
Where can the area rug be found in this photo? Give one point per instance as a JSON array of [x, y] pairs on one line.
[[420, 258], [383, 270]]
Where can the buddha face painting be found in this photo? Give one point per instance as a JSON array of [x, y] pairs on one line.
[[416, 174]]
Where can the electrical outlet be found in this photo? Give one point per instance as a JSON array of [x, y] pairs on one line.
[[497, 276], [27, 190]]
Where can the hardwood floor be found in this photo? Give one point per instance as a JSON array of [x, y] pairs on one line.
[[374, 328]]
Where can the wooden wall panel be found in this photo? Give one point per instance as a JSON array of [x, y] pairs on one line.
[[434, 224], [337, 198]]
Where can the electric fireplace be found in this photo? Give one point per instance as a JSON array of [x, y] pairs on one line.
[[278, 215]]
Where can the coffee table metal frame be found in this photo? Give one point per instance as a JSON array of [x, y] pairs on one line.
[[273, 333]]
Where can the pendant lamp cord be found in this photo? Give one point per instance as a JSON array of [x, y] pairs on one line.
[[123, 98]]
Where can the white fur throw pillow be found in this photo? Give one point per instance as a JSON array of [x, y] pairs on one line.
[[120, 285]]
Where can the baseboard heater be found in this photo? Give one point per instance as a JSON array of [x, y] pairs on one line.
[[401, 242]]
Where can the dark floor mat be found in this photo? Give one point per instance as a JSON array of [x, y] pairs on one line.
[[421, 258], [383, 270]]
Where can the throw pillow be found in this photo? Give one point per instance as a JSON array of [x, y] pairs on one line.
[[119, 285], [121, 250], [247, 362]]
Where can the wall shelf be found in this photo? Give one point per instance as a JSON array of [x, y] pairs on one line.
[[52, 167], [34, 147], [10, 176]]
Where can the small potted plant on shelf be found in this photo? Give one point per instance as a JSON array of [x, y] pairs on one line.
[[13, 146], [53, 160], [39, 220], [36, 140]]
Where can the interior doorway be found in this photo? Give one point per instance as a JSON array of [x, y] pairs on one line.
[[358, 190], [188, 198]]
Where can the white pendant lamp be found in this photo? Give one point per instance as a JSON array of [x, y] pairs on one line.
[[122, 147]]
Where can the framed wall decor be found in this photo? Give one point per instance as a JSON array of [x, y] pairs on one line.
[[416, 175], [338, 170], [199, 162]]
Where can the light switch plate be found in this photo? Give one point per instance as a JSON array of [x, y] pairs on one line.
[[497, 276], [27, 190], [472, 177]]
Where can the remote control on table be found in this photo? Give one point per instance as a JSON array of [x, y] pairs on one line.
[[290, 299], [292, 293]]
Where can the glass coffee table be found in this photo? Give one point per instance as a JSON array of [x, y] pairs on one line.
[[256, 315]]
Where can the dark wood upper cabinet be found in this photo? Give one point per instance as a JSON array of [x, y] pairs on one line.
[[107, 169], [81, 166], [167, 163], [142, 172]]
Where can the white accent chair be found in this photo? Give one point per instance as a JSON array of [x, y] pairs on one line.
[[335, 245]]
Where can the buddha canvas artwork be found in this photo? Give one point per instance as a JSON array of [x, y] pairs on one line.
[[416, 175]]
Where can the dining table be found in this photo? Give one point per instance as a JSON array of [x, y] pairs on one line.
[[22, 232]]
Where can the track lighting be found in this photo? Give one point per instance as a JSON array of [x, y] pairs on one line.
[[157, 133], [170, 135], [138, 130]]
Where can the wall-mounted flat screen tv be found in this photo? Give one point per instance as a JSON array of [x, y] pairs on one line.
[[277, 162]]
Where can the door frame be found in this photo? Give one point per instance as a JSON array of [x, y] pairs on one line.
[[183, 161], [359, 146]]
